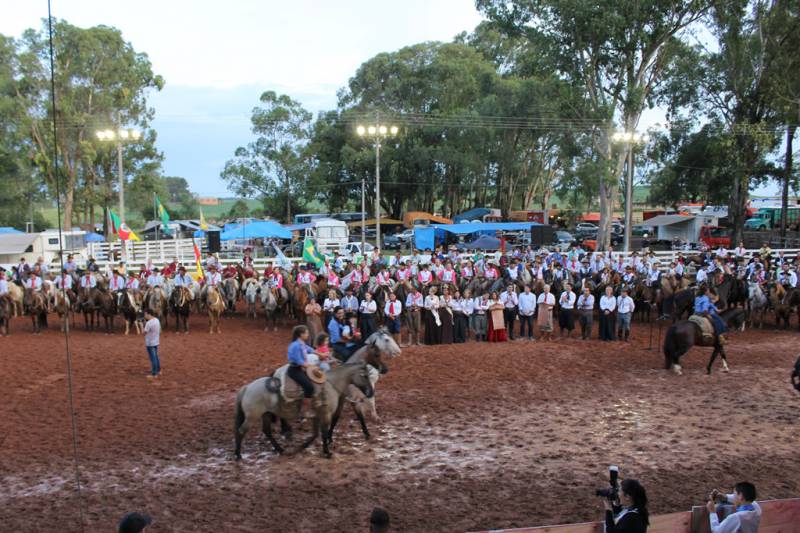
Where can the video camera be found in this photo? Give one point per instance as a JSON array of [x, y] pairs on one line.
[[612, 492]]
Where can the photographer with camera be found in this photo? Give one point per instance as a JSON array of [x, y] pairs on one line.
[[626, 505], [747, 513]]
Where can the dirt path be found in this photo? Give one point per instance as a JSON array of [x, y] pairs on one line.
[[472, 436]]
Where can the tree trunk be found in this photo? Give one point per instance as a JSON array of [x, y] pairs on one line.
[[787, 177]]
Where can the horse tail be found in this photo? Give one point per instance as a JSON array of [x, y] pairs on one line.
[[239, 417], [670, 346]]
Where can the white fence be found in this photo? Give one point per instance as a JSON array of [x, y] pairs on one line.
[[163, 252]]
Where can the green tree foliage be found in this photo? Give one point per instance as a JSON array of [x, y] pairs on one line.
[[275, 166]]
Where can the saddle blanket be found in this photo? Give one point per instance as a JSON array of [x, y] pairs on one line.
[[705, 325], [290, 390]]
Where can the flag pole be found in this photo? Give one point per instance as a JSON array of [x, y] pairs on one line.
[[155, 213]]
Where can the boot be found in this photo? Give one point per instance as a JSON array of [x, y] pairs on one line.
[[305, 409], [721, 339], [627, 334]]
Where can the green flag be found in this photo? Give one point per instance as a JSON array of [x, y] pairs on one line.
[[311, 254], [162, 213]]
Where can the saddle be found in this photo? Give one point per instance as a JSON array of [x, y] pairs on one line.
[[706, 327], [290, 390]]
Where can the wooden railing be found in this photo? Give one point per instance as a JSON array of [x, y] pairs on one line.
[[778, 516]]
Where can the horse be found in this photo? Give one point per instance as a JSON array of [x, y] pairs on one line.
[[270, 304], [216, 306], [35, 304], [378, 344], [779, 299], [107, 307], [87, 306], [756, 304], [230, 294], [181, 305], [63, 306], [6, 311], [16, 295], [263, 399], [251, 291], [129, 303], [156, 303], [682, 335]]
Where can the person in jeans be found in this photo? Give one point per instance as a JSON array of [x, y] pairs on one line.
[[625, 307], [527, 308], [586, 312], [152, 337]]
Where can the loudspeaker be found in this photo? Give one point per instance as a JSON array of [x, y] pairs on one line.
[[212, 239], [542, 235]]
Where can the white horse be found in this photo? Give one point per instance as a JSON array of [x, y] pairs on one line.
[[757, 301], [270, 305], [264, 399], [251, 288]]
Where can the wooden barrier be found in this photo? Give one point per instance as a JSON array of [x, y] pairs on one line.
[[778, 516]]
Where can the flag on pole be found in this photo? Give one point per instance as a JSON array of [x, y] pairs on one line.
[[311, 254], [199, 274], [203, 223], [163, 215], [281, 259], [121, 229]]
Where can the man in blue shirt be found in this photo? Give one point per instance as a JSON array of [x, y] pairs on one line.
[[340, 340], [705, 307]]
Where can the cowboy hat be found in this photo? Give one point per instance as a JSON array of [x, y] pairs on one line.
[[316, 374]]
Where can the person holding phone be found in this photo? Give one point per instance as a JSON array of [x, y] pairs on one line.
[[746, 514]]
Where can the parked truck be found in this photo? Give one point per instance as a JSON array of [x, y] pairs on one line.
[[770, 217]]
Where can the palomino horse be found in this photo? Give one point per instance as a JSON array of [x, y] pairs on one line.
[[181, 305], [256, 401], [63, 306], [684, 334], [216, 306], [375, 347], [16, 295], [5, 313], [35, 304], [129, 303]]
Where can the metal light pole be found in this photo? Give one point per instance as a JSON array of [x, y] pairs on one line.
[[119, 136], [630, 139], [363, 215], [378, 132]]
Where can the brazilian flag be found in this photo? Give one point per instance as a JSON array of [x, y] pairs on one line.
[[311, 254], [163, 215]]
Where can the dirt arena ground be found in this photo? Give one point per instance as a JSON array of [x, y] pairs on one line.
[[472, 436]]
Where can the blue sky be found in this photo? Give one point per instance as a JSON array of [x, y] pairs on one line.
[[218, 57]]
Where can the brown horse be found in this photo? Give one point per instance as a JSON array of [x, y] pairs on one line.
[[6, 306], [107, 308], [181, 304], [684, 334], [87, 305], [35, 304], [216, 306], [779, 300], [63, 306]]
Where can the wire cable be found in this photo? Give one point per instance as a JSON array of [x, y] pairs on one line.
[[76, 458]]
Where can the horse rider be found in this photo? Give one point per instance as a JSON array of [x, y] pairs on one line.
[[133, 282], [229, 272], [182, 279], [786, 277], [296, 354], [425, 277], [341, 342], [653, 275], [213, 279], [155, 279], [116, 282], [3, 282], [705, 307], [211, 259], [64, 282], [403, 273], [88, 281], [275, 279], [247, 259]]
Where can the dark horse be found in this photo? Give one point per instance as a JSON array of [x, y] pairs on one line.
[[684, 334], [181, 302]]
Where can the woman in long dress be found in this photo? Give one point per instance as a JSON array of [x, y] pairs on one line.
[[433, 320], [446, 316], [313, 320], [544, 318], [496, 331]]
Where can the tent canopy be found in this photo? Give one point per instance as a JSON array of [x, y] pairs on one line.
[[474, 227], [16, 243], [264, 229], [94, 237], [668, 220], [7, 229], [484, 242], [371, 222]]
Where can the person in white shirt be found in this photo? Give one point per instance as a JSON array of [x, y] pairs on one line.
[[701, 276], [392, 311], [747, 515], [116, 282], [367, 311], [545, 304], [786, 277], [460, 318], [625, 307], [586, 312], [133, 282], [33, 282], [608, 306], [740, 250], [433, 322], [88, 281], [182, 279], [350, 303], [4, 282], [509, 300], [566, 312], [414, 305], [526, 310], [330, 303]]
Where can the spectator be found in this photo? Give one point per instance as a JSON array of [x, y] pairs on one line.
[[631, 516], [796, 375], [747, 514], [152, 334], [379, 521], [134, 523], [527, 307]]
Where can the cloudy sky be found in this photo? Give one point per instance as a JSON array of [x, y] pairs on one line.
[[218, 57]]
